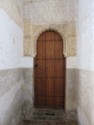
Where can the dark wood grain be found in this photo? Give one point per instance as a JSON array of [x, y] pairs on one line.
[[50, 71]]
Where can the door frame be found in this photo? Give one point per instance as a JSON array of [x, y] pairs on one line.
[[64, 69]]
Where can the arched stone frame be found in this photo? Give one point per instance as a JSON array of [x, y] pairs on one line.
[[66, 31], [47, 28], [30, 45]]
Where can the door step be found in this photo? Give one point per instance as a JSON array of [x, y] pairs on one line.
[[28, 122], [48, 114], [44, 114]]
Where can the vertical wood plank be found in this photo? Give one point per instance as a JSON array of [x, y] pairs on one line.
[[50, 71]]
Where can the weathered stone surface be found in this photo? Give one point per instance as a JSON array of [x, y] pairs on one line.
[[51, 114], [43, 15], [48, 123], [71, 89], [50, 11], [11, 97], [33, 31], [28, 92]]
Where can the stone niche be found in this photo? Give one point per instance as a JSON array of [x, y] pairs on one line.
[[32, 31]]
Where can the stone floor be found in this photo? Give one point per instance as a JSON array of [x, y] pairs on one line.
[[51, 117], [49, 123]]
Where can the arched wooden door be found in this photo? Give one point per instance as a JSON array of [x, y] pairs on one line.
[[50, 71]]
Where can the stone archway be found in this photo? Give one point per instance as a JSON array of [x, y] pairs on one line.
[[52, 28], [32, 33]]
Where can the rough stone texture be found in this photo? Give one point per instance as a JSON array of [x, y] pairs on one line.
[[19, 87], [11, 97], [40, 16], [48, 123], [32, 32], [71, 84], [46, 11], [28, 92], [71, 89], [14, 9], [50, 117]]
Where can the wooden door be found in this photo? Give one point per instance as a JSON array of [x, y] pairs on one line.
[[50, 71]]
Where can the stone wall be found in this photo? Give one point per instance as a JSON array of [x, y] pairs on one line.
[[40, 16], [32, 32], [71, 84], [16, 81], [43, 11], [11, 79], [11, 97], [28, 93], [85, 97], [43, 15], [71, 88], [85, 30]]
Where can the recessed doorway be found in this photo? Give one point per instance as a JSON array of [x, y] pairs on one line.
[[50, 71]]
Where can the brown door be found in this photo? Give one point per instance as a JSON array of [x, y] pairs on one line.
[[49, 71]]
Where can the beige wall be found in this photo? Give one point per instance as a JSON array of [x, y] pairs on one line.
[[32, 32], [43, 15]]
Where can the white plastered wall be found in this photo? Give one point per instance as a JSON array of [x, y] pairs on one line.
[[85, 60]]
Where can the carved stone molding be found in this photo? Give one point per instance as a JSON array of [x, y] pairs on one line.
[[33, 31]]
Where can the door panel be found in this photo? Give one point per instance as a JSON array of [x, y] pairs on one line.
[[59, 87], [58, 50], [59, 68], [49, 68], [50, 71], [40, 90], [50, 101], [50, 87], [50, 50], [40, 101], [57, 37], [49, 36], [59, 102], [42, 37], [41, 49], [40, 68]]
